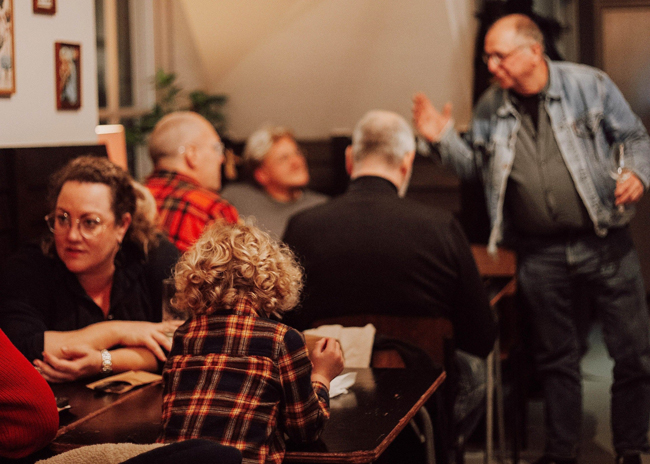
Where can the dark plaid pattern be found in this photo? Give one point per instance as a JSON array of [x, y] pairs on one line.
[[185, 207], [244, 381]]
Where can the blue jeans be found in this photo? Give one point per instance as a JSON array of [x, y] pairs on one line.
[[469, 406], [550, 272]]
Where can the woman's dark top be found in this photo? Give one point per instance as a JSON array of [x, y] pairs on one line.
[[38, 293]]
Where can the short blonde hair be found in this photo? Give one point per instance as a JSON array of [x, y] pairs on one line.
[[259, 144], [234, 261]]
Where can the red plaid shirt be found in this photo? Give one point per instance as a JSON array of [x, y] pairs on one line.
[[242, 380], [185, 207]]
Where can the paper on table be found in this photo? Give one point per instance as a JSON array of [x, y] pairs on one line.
[[340, 384], [356, 342]]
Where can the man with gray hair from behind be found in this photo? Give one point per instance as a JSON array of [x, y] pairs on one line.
[[370, 251]]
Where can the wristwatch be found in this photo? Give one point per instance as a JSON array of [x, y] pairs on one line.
[[107, 362]]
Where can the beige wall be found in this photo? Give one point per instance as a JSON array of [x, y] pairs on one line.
[[318, 65], [29, 117]]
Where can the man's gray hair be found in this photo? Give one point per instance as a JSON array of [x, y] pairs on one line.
[[382, 133]]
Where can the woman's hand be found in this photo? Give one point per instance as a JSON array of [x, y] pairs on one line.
[[326, 359], [150, 335], [75, 362]]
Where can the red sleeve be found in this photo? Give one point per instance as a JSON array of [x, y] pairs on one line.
[[28, 414]]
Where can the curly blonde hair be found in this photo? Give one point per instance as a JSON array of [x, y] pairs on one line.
[[230, 262]]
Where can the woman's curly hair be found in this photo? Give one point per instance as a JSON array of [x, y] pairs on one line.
[[230, 262]]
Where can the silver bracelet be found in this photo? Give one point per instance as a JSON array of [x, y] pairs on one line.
[[107, 362]]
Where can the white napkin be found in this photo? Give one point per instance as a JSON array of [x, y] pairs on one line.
[[340, 384]]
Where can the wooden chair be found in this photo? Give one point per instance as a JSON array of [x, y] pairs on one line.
[[427, 333], [431, 335]]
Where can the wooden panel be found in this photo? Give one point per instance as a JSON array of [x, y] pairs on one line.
[[24, 177], [623, 52]]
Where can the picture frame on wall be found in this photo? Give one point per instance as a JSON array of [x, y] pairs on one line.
[[7, 64], [68, 75], [45, 7]]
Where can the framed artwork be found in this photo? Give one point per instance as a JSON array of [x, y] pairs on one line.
[[68, 75], [7, 65], [45, 6]]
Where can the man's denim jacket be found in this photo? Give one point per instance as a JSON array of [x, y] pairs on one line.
[[588, 114]]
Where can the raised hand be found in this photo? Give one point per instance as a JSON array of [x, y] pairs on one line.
[[428, 121], [326, 359]]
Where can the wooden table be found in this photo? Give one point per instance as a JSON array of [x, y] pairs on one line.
[[362, 424], [499, 274]]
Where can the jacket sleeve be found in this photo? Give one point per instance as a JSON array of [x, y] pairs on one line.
[[475, 326], [623, 125], [24, 295]]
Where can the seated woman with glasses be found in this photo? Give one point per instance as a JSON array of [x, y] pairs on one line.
[[88, 301]]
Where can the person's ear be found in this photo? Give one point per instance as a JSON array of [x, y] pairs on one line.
[[537, 50], [407, 162], [349, 160], [123, 226], [261, 176], [191, 156]]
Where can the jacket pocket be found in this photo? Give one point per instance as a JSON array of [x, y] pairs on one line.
[[587, 124]]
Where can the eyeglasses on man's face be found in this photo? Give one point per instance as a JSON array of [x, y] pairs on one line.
[[498, 58], [90, 226], [217, 147]]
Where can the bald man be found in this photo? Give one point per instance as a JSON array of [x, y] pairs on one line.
[[544, 141], [187, 155]]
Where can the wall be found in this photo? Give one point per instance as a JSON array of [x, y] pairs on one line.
[[29, 116], [319, 65], [625, 56]]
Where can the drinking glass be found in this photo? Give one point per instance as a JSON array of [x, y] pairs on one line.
[[169, 311], [620, 170]]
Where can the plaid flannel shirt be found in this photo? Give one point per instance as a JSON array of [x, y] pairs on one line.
[[185, 207], [242, 380]]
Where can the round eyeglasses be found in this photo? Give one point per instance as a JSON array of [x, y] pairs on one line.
[[89, 226], [498, 58]]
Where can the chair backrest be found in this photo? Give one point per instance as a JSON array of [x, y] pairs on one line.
[[502, 264], [430, 334]]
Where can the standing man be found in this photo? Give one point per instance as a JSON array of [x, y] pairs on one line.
[[370, 251], [541, 140], [279, 171], [187, 155]]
